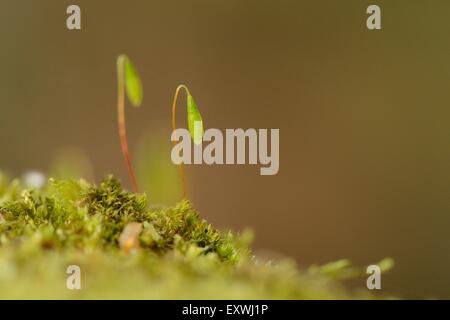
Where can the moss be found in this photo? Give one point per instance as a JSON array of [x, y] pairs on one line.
[[128, 249]]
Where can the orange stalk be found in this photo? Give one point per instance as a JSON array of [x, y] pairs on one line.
[[174, 127], [121, 122]]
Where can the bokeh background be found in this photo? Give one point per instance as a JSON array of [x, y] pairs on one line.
[[363, 115]]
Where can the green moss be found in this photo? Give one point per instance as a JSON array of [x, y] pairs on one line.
[[128, 249]]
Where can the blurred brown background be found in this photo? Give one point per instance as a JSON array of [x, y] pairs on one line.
[[363, 116]]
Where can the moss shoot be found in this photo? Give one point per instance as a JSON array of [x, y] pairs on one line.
[[128, 249]]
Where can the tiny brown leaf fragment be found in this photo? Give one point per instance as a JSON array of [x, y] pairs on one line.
[[129, 238], [2, 219]]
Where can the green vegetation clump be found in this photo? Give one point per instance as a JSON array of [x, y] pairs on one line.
[[128, 249]]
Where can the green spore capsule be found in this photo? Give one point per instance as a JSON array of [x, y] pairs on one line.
[[195, 122], [133, 85]]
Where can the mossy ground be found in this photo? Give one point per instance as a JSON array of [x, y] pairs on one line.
[[128, 249]]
